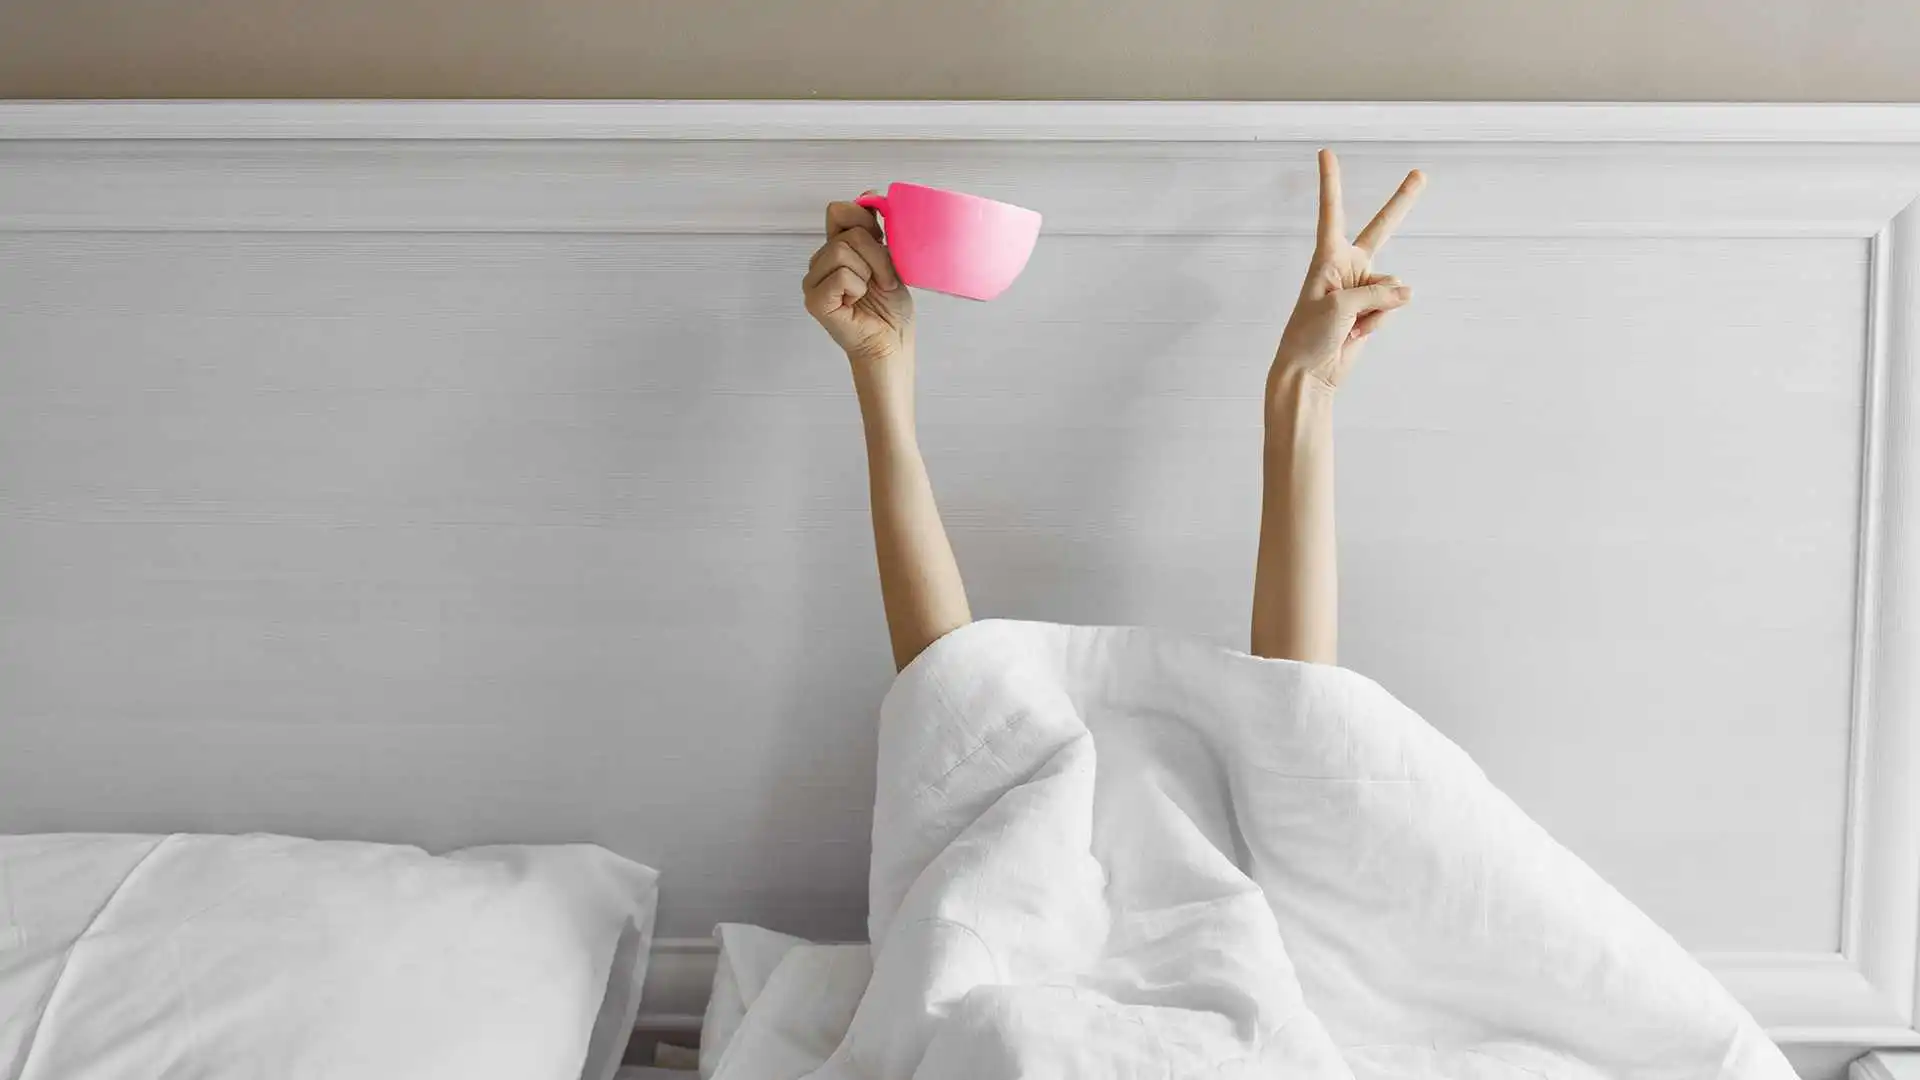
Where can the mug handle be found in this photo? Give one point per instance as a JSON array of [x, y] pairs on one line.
[[873, 201]]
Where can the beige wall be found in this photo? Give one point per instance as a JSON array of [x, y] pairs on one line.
[[1788, 50]]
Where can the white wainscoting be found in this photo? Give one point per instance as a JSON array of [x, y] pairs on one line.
[[1887, 1066], [456, 472]]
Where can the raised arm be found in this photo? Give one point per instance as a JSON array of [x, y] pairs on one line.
[[852, 290], [1296, 580]]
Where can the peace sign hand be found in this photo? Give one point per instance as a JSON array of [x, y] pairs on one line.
[[1342, 300]]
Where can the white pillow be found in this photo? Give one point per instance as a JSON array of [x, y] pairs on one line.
[[224, 957]]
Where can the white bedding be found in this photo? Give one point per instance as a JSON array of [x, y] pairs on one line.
[[1119, 853], [240, 957]]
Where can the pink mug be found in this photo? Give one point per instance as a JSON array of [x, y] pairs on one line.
[[959, 244]]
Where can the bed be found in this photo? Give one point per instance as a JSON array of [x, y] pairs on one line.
[[449, 474]]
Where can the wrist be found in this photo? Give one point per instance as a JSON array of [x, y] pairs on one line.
[[882, 349], [1293, 390], [884, 384]]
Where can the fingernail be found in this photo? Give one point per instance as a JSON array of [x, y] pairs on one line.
[[1402, 291]]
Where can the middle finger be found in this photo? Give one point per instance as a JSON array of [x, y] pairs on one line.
[[1374, 236]]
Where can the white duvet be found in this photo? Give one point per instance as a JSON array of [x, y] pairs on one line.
[[1118, 853]]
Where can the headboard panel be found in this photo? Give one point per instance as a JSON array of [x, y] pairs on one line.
[[461, 472]]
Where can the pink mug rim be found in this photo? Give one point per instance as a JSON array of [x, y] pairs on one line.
[[878, 200]]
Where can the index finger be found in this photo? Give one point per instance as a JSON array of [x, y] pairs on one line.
[[842, 216], [1374, 236], [1333, 224]]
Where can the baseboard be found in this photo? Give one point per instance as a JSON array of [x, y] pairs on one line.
[[679, 978], [1886, 1065], [1802, 1000], [1808, 999]]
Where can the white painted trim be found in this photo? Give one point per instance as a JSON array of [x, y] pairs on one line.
[[1119, 121], [1797, 997], [429, 185], [1868, 994], [1800, 999], [1866, 586], [1883, 842], [1886, 1066], [679, 980]]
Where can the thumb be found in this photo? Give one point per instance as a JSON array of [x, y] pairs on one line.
[[1383, 295]]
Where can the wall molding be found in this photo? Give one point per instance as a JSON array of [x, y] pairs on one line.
[[1801, 999], [679, 980], [1215, 168], [1634, 171], [1880, 931], [1886, 1066]]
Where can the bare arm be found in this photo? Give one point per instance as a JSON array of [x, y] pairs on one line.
[[852, 290], [1296, 590], [920, 584], [1296, 579]]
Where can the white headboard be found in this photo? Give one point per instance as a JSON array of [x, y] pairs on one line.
[[469, 472]]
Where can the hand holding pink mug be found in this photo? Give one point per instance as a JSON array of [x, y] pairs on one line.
[[955, 243]]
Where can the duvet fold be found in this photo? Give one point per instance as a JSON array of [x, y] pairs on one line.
[[1123, 853]]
